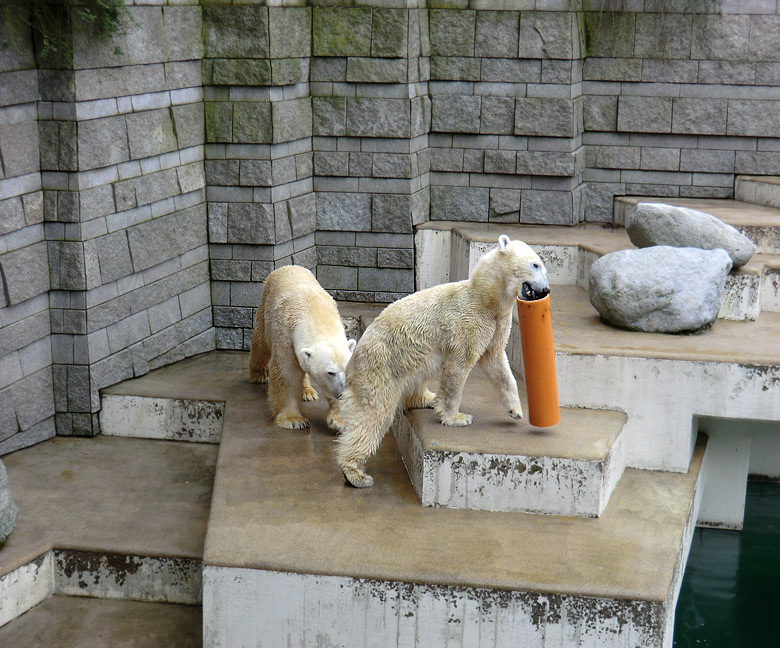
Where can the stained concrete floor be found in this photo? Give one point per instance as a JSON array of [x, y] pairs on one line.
[[79, 622]]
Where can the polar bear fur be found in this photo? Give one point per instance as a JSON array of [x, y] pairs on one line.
[[441, 332], [298, 345]]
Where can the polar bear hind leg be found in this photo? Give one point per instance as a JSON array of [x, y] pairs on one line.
[[284, 391], [260, 352]]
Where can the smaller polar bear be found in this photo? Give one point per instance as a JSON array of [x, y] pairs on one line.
[[298, 342], [439, 332]]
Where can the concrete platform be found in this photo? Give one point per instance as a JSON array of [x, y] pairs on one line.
[[78, 622], [106, 517], [499, 464]]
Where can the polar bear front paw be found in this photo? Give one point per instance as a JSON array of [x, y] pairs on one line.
[[309, 394], [358, 478], [516, 412], [457, 420], [291, 422], [334, 422]]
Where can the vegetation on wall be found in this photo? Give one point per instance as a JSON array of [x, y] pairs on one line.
[[53, 22]]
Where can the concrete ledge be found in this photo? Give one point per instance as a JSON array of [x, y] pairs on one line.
[[497, 464]]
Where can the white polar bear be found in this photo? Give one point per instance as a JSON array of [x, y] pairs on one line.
[[442, 331], [298, 341]]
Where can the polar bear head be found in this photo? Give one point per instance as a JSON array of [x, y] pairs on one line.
[[516, 267], [325, 362]]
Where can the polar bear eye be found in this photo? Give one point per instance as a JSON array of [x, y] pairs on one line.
[[537, 266], [331, 373]]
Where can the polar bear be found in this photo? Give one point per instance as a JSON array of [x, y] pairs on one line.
[[439, 332], [299, 344]]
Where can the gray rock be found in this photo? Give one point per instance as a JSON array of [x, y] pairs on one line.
[[660, 224], [660, 289], [8, 510]]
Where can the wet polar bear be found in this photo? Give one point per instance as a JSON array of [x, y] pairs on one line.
[[439, 332], [298, 341]]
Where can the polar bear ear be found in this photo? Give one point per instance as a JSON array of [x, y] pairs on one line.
[[351, 344], [503, 241], [307, 353]]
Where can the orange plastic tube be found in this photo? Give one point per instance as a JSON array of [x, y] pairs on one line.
[[541, 382]]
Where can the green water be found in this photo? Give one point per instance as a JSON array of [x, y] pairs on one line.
[[730, 595]]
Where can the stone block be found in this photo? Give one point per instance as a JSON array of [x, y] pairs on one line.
[[455, 68], [752, 117], [11, 215], [610, 34], [217, 222], [66, 263], [663, 36], [302, 212], [727, 72], [25, 273], [705, 161], [360, 164], [600, 113], [114, 256], [504, 205], [390, 33], [290, 32], [338, 255], [283, 170], [549, 34], [660, 159], [257, 173], [720, 37], [758, 162], [102, 142], [369, 117], [376, 70], [218, 117], [548, 207], [337, 277], [395, 258], [289, 71], [120, 336], [163, 315], [241, 72], [183, 33], [342, 32], [645, 114], [150, 133], [231, 270], [497, 115], [153, 242], [500, 161], [350, 212], [391, 213], [455, 114], [252, 122], [329, 69], [331, 163], [250, 223], [699, 116], [511, 70], [548, 117], [222, 172], [386, 280], [452, 33], [768, 73], [329, 116], [598, 199], [446, 159], [96, 202], [460, 203], [33, 398], [473, 160], [549, 163], [764, 42], [392, 165], [497, 34], [236, 31], [291, 120], [19, 149]]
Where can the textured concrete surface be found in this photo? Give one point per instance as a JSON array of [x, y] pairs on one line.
[[123, 496], [78, 622]]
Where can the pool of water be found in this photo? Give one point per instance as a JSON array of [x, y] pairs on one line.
[[730, 595]]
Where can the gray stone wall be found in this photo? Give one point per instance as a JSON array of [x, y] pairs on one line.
[[26, 395], [149, 186], [679, 98]]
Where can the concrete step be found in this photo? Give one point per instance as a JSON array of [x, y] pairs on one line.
[[759, 190], [498, 464], [106, 517], [79, 622], [448, 251]]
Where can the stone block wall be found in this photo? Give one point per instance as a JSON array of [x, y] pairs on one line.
[[679, 98], [26, 395], [261, 204]]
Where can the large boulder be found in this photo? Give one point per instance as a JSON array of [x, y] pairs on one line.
[[659, 224], [7, 507], [660, 289]]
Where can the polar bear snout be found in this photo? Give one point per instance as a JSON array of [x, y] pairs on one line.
[[530, 292]]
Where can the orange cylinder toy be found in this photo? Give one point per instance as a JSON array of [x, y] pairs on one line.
[[541, 382]]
